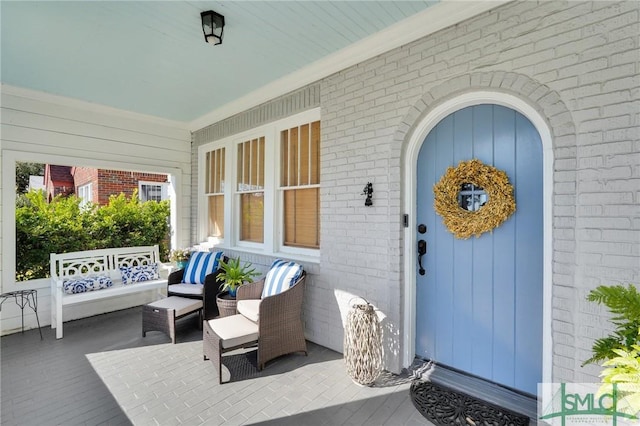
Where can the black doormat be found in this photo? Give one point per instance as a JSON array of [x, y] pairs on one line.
[[444, 406]]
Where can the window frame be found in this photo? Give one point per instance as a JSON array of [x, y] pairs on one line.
[[208, 194], [238, 193], [292, 250], [85, 193], [273, 244], [164, 189]]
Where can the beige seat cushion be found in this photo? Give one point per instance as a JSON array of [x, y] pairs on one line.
[[181, 305], [234, 330], [189, 289], [250, 308]]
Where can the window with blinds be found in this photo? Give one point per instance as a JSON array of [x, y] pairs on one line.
[[152, 191], [214, 190], [300, 183], [251, 189]]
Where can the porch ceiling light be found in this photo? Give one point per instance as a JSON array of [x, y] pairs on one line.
[[212, 26]]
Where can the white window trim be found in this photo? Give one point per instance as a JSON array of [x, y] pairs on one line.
[[273, 197], [163, 185], [230, 222], [83, 190]]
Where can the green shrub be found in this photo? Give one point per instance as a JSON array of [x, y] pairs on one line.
[[129, 223], [63, 226]]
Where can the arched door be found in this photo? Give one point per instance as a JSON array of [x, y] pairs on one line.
[[479, 304]]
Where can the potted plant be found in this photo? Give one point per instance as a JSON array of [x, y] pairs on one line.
[[232, 275], [180, 257]]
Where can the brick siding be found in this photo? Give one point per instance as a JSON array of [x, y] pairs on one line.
[[111, 182]]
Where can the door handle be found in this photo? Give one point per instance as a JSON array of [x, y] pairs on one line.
[[422, 250]]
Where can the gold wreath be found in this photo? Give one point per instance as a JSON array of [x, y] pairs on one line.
[[463, 223]]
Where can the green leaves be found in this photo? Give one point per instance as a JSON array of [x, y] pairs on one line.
[[621, 349], [624, 303], [234, 275], [623, 370], [23, 171], [62, 226]]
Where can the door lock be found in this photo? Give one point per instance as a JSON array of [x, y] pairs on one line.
[[422, 250]]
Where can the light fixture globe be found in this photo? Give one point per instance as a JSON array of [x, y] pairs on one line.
[[212, 27]]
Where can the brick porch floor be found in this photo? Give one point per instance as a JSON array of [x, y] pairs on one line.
[[105, 372]]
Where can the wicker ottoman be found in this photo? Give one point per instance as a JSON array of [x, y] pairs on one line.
[[225, 334], [161, 315]]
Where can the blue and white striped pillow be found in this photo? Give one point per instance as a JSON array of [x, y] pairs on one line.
[[201, 264], [281, 277]]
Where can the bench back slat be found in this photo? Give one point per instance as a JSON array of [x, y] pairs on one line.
[[102, 261], [83, 266], [135, 257]]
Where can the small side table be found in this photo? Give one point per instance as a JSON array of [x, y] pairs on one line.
[[24, 298], [162, 314]]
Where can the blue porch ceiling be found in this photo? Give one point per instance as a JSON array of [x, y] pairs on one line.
[[150, 57]]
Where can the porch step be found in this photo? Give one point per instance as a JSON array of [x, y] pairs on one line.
[[493, 393]]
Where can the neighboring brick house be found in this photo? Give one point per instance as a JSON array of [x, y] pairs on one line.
[[58, 181], [97, 185]]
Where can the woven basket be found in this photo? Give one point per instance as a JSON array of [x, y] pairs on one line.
[[226, 306], [363, 344]]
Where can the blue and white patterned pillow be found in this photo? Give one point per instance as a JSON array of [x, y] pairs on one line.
[[281, 277], [84, 284], [201, 264], [134, 274]]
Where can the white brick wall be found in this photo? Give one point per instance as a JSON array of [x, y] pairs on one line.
[[577, 62], [574, 62]]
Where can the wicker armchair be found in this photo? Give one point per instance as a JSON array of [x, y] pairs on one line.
[[206, 292], [279, 331]]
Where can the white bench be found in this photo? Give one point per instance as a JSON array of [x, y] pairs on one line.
[[104, 262]]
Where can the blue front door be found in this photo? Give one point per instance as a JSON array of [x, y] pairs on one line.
[[479, 305]]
